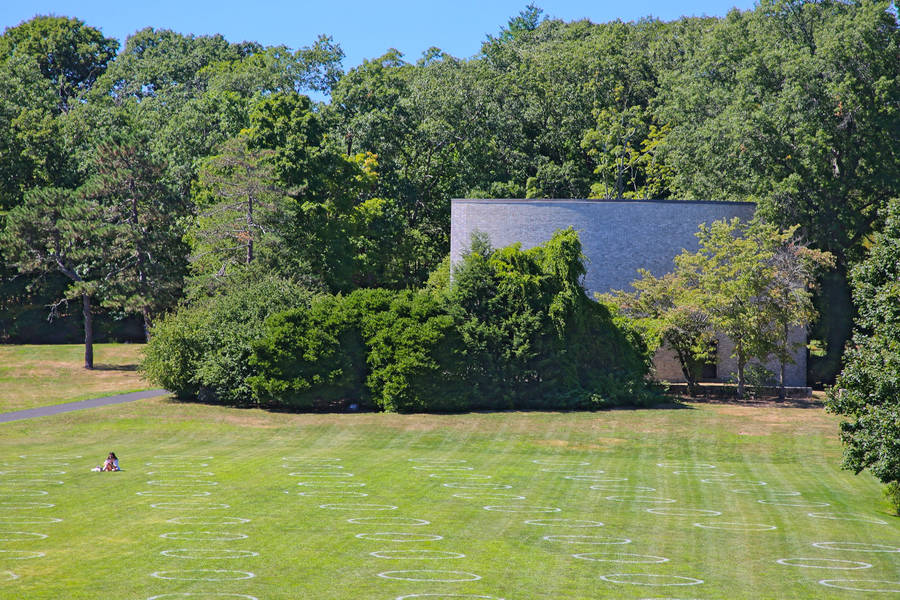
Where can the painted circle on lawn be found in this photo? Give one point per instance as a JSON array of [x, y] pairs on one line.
[[32, 472], [335, 484], [576, 523], [650, 579], [15, 482], [768, 492], [20, 554], [204, 536], [416, 554], [431, 575], [358, 506], [399, 536], [855, 547], [444, 596], [641, 499], [684, 512], [621, 557], [180, 483], [523, 509], [567, 469], [331, 494], [29, 520], [389, 521], [438, 460], [622, 487], [823, 563], [460, 476], [318, 474], [171, 464], [26, 493], [202, 595], [709, 477], [439, 467], [799, 503], [8, 576], [460, 485], [217, 554], [586, 539], [203, 575], [488, 496], [208, 520], [20, 536], [686, 465], [311, 466], [314, 459], [183, 457], [848, 517], [733, 481], [593, 478], [44, 457], [560, 463], [188, 506], [863, 585], [25, 505], [732, 526], [187, 474], [173, 494]]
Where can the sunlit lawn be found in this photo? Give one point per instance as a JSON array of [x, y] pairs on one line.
[[32, 376], [111, 540]]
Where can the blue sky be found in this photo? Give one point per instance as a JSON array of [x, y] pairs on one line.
[[364, 29]]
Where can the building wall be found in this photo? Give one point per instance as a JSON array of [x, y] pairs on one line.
[[618, 237]]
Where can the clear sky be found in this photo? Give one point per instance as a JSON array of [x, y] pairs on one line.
[[364, 29]]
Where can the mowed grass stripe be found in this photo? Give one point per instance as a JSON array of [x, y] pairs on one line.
[[306, 551]]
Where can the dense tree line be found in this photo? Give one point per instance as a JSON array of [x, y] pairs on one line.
[[794, 104]]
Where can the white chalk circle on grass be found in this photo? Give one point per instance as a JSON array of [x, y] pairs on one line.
[[203, 575], [20, 554], [621, 557], [389, 521], [26, 493], [461, 485], [172, 463], [597, 540], [848, 517], [358, 506], [204, 554], [20, 536], [29, 520], [433, 576], [399, 536], [619, 487], [330, 494], [460, 476], [189, 506], [438, 467], [560, 463], [174, 494], [204, 536], [684, 512], [202, 595], [438, 460], [650, 579], [566, 469], [50, 458], [312, 466], [863, 585], [318, 474], [14, 482], [641, 499], [685, 465], [731, 526], [8, 576], [709, 477], [734, 482], [25, 505], [416, 554], [855, 547], [523, 509], [823, 563], [188, 474], [31, 472], [594, 478], [182, 457], [444, 596], [335, 484], [575, 523], [799, 503], [489, 496], [208, 520], [311, 459], [180, 483], [767, 492]]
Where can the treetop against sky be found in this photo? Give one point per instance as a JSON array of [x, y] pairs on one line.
[[363, 29]]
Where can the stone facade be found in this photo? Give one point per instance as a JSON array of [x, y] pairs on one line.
[[618, 237]]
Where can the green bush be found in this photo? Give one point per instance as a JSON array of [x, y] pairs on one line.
[[203, 350], [892, 494]]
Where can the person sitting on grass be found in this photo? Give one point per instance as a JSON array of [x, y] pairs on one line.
[[111, 463]]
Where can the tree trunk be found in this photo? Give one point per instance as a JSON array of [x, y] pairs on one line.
[[145, 314], [781, 392], [740, 365], [88, 332]]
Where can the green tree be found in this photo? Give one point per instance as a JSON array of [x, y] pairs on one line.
[[868, 389], [56, 230]]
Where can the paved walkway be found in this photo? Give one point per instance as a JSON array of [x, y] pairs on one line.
[[45, 411]]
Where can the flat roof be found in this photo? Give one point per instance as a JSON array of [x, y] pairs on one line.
[[601, 200]]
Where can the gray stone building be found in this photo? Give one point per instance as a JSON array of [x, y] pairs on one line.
[[619, 237]]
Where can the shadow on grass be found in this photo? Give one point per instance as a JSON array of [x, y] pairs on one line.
[[761, 402], [105, 367]]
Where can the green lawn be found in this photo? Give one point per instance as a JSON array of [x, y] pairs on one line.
[[32, 376], [111, 540]]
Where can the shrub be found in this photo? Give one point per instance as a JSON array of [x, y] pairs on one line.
[[203, 349]]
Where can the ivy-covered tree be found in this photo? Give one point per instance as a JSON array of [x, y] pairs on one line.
[[868, 389]]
